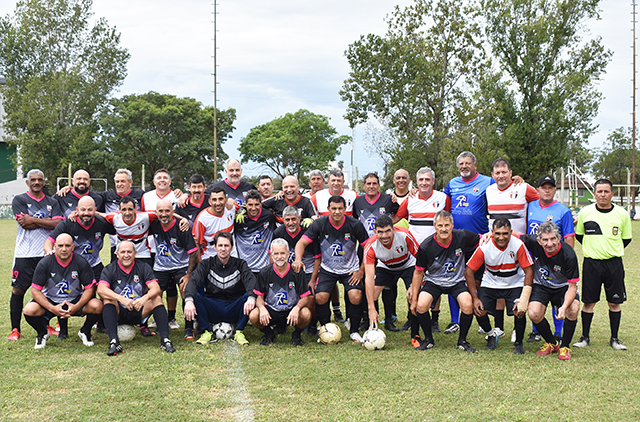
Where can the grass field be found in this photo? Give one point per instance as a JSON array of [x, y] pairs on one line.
[[67, 381]]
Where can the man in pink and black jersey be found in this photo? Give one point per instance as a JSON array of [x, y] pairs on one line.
[[234, 187], [291, 197], [197, 201]]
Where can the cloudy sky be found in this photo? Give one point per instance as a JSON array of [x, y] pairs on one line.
[[278, 56]]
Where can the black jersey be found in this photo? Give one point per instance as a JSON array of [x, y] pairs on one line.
[[552, 271], [69, 202], [173, 246], [338, 245], [444, 265], [30, 242], [112, 199], [367, 212], [88, 240], [191, 209], [228, 281], [310, 253], [281, 292], [131, 284], [253, 239], [303, 204], [238, 192], [63, 282]]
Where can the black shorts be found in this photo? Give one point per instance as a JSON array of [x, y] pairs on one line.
[[545, 294], [22, 274], [131, 317], [97, 271], [327, 281], [436, 291], [489, 297], [48, 314], [389, 278], [607, 272], [168, 280], [278, 318]]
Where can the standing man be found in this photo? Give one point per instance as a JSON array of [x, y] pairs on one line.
[[162, 182], [63, 286], [336, 187], [68, 200], [218, 217], [340, 238], [197, 201], [316, 183], [401, 181], [292, 197], [373, 204], [37, 214], [282, 297], [234, 187], [265, 187], [604, 229], [254, 231]]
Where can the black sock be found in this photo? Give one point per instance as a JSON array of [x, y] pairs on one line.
[[268, 330], [387, 301], [354, 313], [162, 320], [465, 324], [64, 325], [484, 323], [171, 314], [435, 315], [15, 305], [614, 322], [323, 313], [425, 323], [567, 332], [88, 323], [415, 325], [498, 318], [313, 322], [335, 306], [520, 325], [110, 318], [38, 323], [544, 329], [587, 317], [297, 330]]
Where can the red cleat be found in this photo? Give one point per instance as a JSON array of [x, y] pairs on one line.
[[15, 335], [52, 331]]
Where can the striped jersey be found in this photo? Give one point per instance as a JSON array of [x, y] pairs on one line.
[[137, 232], [503, 267], [422, 212], [112, 204], [207, 225], [321, 201], [399, 256], [30, 243], [150, 200], [511, 203]]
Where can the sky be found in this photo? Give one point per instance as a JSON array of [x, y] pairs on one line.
[[279, 56]]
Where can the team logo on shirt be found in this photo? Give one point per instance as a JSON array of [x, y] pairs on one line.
[[336, 249], [436, 204], [98, 235], [74, 274], [292, 256], [382, 210], [128, 292], [136, 278], [162, 249], [369, 223], [512, 255], [173, 241], [400, 249], [291, 285], [347, 236], [282, 299], [265, 225], [549, 217], [449, 266], [557, 268], [533, 228], [459, 252], [475, 189], [39, 214], [513, 195], [544, 274], [614, 230], [48, 207], [462, 201], [64, 288], [87, 248], [257, 238]]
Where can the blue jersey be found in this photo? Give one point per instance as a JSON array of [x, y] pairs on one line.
[[469, 203], [556, 212]]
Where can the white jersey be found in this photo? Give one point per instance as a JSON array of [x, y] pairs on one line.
[[321, 201], [421, 213], [399, 256], [503, 268], [150, 200], [207, 225], [137, 232], [510, 203]]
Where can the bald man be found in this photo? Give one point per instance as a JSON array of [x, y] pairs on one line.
[[63, 286], [290, 197], [233, 186], [80, 183]]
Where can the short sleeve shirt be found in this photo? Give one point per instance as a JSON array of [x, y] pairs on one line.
[[310, 253], [556, 212], [173, 246], [131, 284], [603, 232], [444, 265], [30, 243], [60, 282], [553, 271], [367, 212], [88, 240], [281, 292]]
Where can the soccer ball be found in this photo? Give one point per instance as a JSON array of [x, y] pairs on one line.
[[374, 339], [330, 333], [126, 332], [223, 330]]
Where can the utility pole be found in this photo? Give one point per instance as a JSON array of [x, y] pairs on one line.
[[215, 94], [633, 131]]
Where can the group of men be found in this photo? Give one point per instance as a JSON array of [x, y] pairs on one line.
[[238, 254]]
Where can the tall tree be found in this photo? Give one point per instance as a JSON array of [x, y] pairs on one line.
[[60, 68], [161, 131], [615, 160], [293, 144], [548, 97]]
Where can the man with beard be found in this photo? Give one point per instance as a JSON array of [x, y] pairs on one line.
[[68, 199], [197, 200]]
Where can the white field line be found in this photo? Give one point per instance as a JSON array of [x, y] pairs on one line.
[[237, 378]]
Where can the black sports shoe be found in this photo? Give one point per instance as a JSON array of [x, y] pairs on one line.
[[406, 326], [492, 342], [114, 348], [337, 315], [435, 327], [146, 332], [167, 346], [268, 338], [426, 344], [390, 326], [464, 345], [364, 325], [63, 335], [279, 329], [533, 337], [312, 330], [296, 339], [518, 348]]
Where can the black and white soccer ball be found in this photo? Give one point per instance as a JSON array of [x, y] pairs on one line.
[[329, 333], [126, 332], [374, 339], [223, 330]]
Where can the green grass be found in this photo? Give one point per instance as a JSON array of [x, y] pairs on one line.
[[343, 382]]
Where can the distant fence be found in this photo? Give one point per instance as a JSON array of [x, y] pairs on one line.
[[6, 212]]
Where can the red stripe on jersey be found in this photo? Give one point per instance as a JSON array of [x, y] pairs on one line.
[[506, 207]]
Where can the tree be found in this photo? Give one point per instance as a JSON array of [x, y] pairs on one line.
[[615, 160], [548, 98], [161, 131], [293, 144], [59, 70]]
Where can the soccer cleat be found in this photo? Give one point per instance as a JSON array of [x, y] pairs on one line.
[[533, 337], [173, 325], [205, 338], [188, 334], [464, 345], [337, 316], [14, 335], [435, 327], [86, 338], [390, 326], [406, 326], [513, 336], [415, 342], [240, 338], [498, 332], [152, 323], [492, 342], [347, 324], [394, 318], [63, 335], [584, 342], [268, 338], [547, 349], [426, 344], [41, 341], [481, 331], [564, 353], [52, 331], [167, 346], [518, 349], [296, 339], [616, 344], [312, 330], [452, 328], [114, 348], [146, 332], [356, 337]]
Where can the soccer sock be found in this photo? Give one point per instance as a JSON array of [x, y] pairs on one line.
[[162, 320], [323, 313], [545, 331], [38, 323], [521, 325], [558, 323], [498, 317], [415, 325], [110, 318], [171, 314], [88, 323], [376, 305], [587, 317], [435, 315], [569, 329], [425, 322], [354, 312], [313, 322], [614, 322], [15, 305], [484, 323], [454, 309], [64, 325], [297, 330], [465, 324], [387, 301], [534, 329], [268, 330]]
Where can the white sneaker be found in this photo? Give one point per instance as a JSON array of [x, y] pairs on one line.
[[584, 342], [481, 331], [152, 323], [173, 324], [356, 337], [495, 332], [41, 342], [86, 340], [616, 344], [347, 324], [513, 336]]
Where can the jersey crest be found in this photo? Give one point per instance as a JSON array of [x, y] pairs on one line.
[[369, 223], [337, 249], [128, 292], [63, 288], [462, 201], [282, 299], [87, 248], [257, 238]]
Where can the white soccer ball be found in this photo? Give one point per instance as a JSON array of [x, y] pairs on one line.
[[223, 330], [126, 332], [330, 333], [374, 339]]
